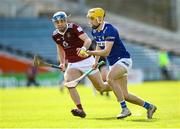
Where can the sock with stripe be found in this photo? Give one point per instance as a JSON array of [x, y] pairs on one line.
[[146, 105], [123, 104]]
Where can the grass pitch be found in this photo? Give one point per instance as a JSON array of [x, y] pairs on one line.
[[49, 108]]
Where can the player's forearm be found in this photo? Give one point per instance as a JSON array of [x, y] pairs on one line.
[[98, 53], [61, 58], [61, 55], [97, 57], [87, 43]]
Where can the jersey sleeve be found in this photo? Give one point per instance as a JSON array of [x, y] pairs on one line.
[[110, 34], [54, 37], [77, 30]]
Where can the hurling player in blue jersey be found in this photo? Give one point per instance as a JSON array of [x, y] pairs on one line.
[[111, 46]]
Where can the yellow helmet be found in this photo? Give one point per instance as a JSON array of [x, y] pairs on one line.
[[96, 13]]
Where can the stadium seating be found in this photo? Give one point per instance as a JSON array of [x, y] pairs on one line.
[[34, 35], [31, 35]]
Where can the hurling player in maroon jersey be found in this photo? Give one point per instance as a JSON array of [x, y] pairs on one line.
[[69, 37]]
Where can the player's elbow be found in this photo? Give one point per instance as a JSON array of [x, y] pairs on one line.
[[88, 41]]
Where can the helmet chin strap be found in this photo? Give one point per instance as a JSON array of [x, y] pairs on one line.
[[95, 27], [99, 21]]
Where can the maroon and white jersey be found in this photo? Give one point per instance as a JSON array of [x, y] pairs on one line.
[[70, 41]]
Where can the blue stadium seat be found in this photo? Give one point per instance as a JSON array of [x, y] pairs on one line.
[[34, 35]]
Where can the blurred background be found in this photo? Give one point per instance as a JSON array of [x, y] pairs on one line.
[[149, 28]]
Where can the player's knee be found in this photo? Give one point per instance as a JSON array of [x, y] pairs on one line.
[[97, 86], [99, 89], [109, 80]]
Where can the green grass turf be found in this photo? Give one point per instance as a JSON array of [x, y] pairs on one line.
[[48, 108]]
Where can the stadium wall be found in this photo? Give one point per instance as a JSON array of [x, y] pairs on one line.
[[12, 64]]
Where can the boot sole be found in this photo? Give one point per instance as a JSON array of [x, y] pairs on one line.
[[155, 108], [124, 116]]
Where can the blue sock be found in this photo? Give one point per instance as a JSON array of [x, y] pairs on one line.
[[123, 104], [146, 105]]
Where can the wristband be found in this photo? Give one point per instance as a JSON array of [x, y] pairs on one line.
[[84, 48]]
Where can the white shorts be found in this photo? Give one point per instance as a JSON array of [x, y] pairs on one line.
[[83, 65], [125, 62]]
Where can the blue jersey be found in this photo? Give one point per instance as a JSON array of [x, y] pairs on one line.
[[110, 33]]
